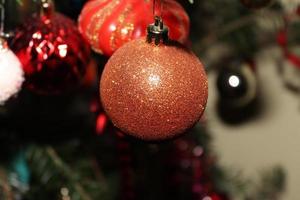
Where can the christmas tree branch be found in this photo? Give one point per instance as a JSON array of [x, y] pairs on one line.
[[212, 38], [48, 165], [98, 172], [240, 30], [67, 172]]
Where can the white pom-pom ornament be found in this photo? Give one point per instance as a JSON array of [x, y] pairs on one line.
[[11, 73]]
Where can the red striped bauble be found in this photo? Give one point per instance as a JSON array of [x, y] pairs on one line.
[[108, 24]]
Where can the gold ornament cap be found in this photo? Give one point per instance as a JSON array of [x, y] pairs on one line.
[[157, 31]]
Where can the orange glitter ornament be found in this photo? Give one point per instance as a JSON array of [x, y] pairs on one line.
[[154, 92]]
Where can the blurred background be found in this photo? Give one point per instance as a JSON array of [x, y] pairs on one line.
[[56, 142]]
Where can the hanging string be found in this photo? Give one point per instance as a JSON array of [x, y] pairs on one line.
[[2, 19], [157, 8], [157, 30]]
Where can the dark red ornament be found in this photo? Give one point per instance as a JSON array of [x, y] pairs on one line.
[[53, 53]]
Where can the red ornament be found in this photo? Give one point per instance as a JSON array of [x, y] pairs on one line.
[[288, 39], [53, 53], [107, 25], [153, 92]]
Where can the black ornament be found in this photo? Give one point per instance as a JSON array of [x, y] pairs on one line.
[[237, 88]]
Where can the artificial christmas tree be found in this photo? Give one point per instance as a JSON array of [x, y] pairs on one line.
[[64, 146]]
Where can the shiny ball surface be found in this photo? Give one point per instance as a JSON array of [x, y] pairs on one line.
[[256, 4], [109, 24], [153, 92], [53, 53]]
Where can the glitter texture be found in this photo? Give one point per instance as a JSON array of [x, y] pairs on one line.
[[153, 92], [11, 75]]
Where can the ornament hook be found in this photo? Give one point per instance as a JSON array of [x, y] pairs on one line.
[[157, 8], [2, 8], [46, 8], [4, 35], [3, 43]]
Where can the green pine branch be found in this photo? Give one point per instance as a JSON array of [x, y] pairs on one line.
[[52, 173]]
